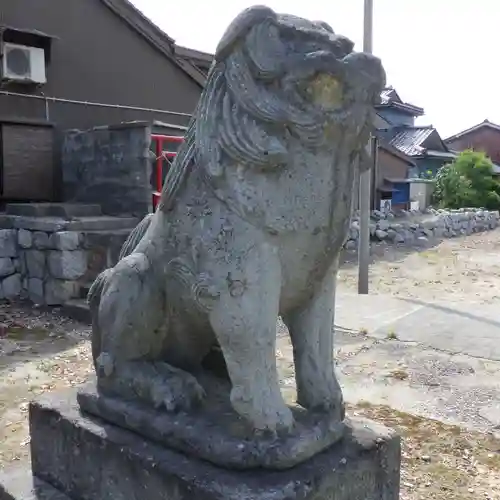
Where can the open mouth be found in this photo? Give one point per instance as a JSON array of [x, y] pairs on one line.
[[324, 90]]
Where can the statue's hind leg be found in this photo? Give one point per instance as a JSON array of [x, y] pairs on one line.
[[129, 333], [244, 321], [311, 331]]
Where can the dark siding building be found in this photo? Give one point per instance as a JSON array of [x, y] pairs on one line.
[[483, 137], [105, 63]]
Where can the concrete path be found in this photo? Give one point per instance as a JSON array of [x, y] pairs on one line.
[[438, 360]]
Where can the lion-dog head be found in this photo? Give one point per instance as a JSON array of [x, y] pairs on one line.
[[278, 83]]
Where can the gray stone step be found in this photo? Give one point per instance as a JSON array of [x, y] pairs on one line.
[[83, 224], [102, 223], [77, 309], [64, 210], [84, 290]]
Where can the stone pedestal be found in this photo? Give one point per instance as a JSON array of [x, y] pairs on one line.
[[77, 457]]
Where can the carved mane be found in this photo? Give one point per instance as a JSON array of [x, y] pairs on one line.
[[244, 115]]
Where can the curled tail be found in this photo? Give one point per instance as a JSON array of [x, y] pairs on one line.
[[94, 300], [135, 236], [97, 288], [94, 295]]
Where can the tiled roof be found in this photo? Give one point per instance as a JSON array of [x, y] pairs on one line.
[[409, 140], [389, 95], [390, 98], [485, 123]]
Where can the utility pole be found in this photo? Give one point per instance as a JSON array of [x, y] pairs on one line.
[[365, 178]]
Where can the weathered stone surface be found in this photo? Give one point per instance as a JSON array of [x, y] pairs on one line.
[[6, 222], [54, 224], [434, 224], [399, 238], [59, 291], [62, 210], [35, 290], [8, 243], [216, 433], [103, 250], [111, 166], [101, 223], [11, 286], [243, 234], [35, 263], [18, 483], [24, 238], [6, 266], [22, 263], [17, 265], [384, 225], [99, 461], [48, 224], [67, 265], [208, 270], [40, 240], [24, 285], [65, 240]]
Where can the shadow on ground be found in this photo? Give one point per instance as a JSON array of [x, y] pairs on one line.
[[28, 333], [453, 310], [389, 252]]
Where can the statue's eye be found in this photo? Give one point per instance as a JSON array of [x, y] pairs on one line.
[[325, 90]]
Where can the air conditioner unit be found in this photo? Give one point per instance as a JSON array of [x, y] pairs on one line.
[[23, 64]]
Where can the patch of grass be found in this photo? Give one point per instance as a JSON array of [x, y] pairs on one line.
[[17, 332], [46, 365], [458, 465], [399, 374], [431, 256], [391, 335]]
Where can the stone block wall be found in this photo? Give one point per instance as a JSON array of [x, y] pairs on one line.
[[52, 260], [110, 166], [48, 260], [412, 228], [51, 265]]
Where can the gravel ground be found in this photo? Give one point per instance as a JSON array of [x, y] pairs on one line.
[[41, 351], [465, 269]]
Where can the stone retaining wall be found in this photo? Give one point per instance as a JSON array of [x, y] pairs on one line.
[[414, 228], [48, 260], [50, 265], [44, 267]]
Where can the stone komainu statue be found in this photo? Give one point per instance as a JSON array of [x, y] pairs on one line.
[[252, 219]]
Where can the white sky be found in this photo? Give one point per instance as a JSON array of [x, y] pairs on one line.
[[442, 55]]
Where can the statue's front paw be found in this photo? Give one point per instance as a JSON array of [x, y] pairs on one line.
[[326, 396], [335, 406], [177, 390], [271, 416]]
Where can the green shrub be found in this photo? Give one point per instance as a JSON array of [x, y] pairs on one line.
[[467, 182]]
